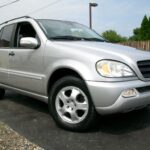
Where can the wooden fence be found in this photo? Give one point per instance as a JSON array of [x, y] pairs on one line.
[[145, 45]]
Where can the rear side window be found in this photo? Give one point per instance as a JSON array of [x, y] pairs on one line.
[[6, 36]]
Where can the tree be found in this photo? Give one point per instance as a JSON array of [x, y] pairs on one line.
[[113, 37], [142, 33], [136, 36]]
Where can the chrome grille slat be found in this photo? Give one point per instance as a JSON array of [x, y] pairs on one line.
[[144, 67]]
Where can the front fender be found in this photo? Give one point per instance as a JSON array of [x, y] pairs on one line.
[[82, 69]]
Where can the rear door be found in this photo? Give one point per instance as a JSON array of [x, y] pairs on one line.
[[5, 46]]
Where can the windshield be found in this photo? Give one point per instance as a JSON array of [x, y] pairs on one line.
[[64, 30]]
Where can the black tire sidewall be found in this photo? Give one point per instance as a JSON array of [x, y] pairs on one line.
[[2, 93]]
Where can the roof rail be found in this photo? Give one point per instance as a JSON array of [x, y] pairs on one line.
[[15, 19]]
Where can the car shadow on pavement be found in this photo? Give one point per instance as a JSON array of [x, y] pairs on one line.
[[28, 102], [112, 124], [124, 123]]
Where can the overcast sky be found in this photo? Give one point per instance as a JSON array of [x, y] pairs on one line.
[[120, 15]]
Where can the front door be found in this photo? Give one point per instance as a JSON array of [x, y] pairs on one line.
[[25, 69]]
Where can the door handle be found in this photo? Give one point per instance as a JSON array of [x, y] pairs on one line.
[[11, 53]]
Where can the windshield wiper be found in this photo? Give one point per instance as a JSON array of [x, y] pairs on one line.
[[65, 38], [75, 38], [95, 39]]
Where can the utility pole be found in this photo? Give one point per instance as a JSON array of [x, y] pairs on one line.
[[90, 12]]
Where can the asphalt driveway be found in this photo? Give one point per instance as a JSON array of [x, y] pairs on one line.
[[31, 119]]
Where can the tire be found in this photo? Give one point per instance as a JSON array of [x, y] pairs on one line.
[[70, 104], [2, 93]]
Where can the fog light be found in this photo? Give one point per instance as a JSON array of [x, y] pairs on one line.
[[129, 93]]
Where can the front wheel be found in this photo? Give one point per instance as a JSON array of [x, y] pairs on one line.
[[71, 105]]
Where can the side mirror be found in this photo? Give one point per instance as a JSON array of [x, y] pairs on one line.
[[29, 42]]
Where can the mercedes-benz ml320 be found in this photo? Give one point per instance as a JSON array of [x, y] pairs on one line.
[[73, 69]]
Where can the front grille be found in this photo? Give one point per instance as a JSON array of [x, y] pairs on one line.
[[144, 67]]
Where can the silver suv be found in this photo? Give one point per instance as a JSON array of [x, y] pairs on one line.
[[73, 69]]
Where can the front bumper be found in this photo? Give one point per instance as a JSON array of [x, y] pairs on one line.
[[108, 99]]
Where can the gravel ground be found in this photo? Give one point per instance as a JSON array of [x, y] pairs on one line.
[[10, 140]]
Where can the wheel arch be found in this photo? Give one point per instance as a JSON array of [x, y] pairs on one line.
[[59, 73]]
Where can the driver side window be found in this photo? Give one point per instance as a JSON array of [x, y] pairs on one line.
[[24, 29]]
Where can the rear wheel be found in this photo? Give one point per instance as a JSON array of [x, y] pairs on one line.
[[2, 93], [70, 104]]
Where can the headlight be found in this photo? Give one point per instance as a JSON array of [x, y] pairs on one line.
[[113, 69]]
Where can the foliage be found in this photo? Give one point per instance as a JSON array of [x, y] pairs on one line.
[[113, 36], [142, 33]]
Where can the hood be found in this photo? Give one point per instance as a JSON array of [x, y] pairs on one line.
[[106, 50]]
